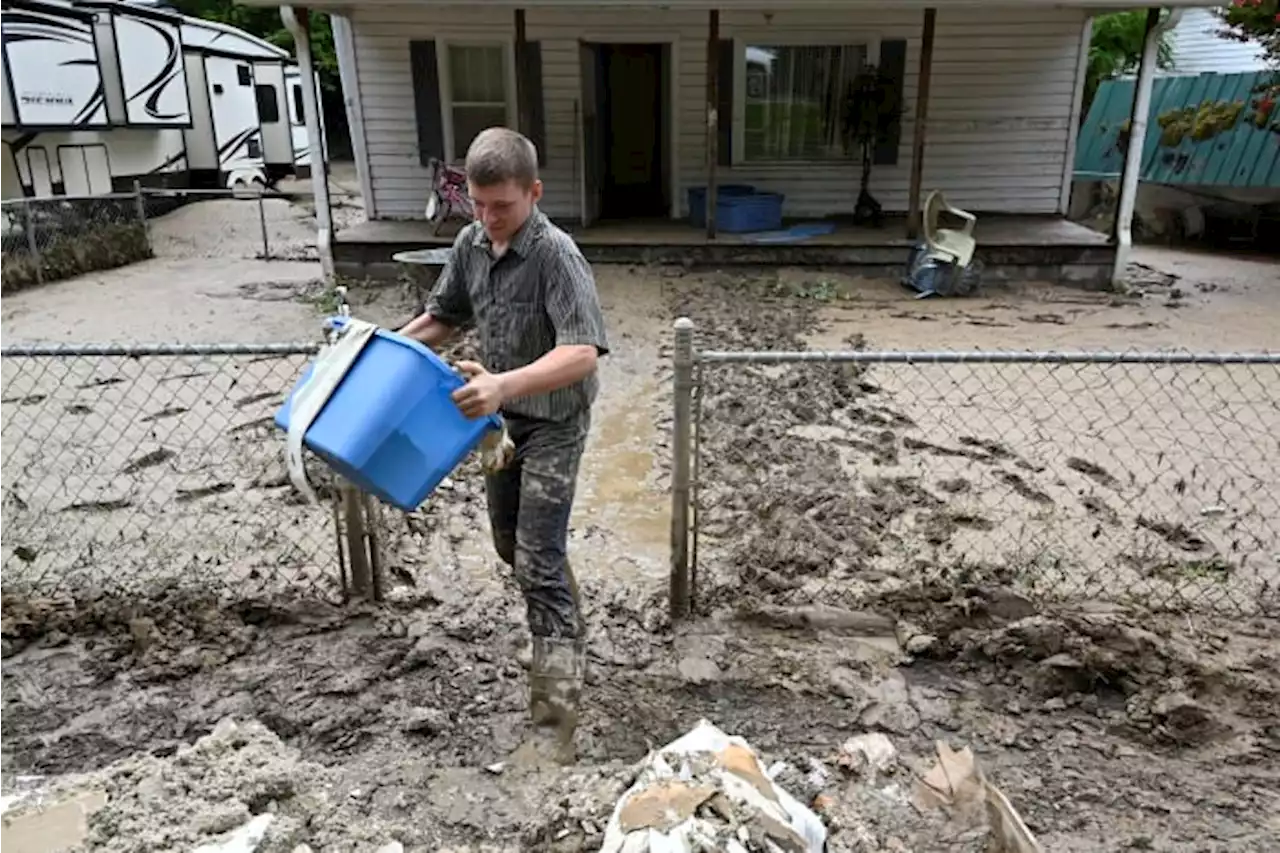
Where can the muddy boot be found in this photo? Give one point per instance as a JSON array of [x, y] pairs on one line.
[[555, 689]]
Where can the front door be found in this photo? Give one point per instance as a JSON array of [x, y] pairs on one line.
[[634, 180]]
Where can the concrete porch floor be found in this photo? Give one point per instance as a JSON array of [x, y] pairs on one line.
[[1012, 248], [990, 231]]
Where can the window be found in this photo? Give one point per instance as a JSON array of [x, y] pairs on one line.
[[243, 77], [477, 91], [268, 106], [299, 117], [794, 100]]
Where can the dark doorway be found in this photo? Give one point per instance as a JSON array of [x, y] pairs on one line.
[[634, 180]]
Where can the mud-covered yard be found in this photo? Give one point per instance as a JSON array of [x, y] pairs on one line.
[[917, 500]]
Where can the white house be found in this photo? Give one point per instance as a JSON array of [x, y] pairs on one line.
[[615, 95], [1004, 90]]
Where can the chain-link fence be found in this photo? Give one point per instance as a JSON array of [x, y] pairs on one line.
[[831, 478], [46, 239], [129, 471], [252, 224]]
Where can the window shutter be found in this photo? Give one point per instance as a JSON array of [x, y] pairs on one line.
[[724, 107], [426, 100], [531, 95], [893, 65]]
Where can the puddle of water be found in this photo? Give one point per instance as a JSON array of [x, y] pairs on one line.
[[615, 492]]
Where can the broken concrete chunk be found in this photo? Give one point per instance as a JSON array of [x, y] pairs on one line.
[[920, 643], [426, 721], [957, 786], [709, 791], [243, 840], [872, 750], [663, 806]]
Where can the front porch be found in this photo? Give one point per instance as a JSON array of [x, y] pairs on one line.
[[1012, 248]]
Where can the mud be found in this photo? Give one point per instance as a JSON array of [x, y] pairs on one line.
[[843, 512]]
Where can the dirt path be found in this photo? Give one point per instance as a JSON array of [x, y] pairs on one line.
[[1107, 730]]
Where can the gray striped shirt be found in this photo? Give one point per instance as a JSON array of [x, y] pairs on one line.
[[539, 295]]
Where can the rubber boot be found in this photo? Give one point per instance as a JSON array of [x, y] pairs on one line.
[[556, 677]]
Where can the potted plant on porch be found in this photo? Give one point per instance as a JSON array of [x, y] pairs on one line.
[[871, 111]]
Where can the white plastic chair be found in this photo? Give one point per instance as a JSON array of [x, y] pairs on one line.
[[948, 244]]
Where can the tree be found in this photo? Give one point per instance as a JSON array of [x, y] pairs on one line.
[[265, 23], [1254, 20], [1116, 48]]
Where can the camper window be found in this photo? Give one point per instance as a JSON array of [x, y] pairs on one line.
[[477, 91], [243, 77], [299, 117], [268, 106]]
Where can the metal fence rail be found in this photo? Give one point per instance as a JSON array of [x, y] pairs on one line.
[[135, 469], [829, 477], [56, 237], [250, 223]]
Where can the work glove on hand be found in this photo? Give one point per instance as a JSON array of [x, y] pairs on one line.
[[496, 450]]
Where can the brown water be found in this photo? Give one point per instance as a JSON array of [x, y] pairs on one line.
[[616, 489]]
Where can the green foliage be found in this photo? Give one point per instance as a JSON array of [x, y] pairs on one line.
[[105, 246], [871, 109], [1116, 48], [1254, 20], [265, 23]]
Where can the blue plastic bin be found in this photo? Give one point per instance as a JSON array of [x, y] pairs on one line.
[[698, 200], [391, 426], [740, 209]]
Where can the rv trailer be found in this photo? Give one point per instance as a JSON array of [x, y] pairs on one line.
[[100, 94], [246, 92], [298, 139], [56, 106]]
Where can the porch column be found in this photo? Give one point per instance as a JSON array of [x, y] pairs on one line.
[[1131, 173], [523, 120], [298, 23], [713, 118], [920, 131]]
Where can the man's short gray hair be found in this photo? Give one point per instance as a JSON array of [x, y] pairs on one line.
[[498, 155]]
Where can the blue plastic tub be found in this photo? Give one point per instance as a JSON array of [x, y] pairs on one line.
[[391, 426], [740, 209], [698, 200]]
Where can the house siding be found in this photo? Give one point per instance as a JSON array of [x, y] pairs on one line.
[[1000, 112], [1197, 48]]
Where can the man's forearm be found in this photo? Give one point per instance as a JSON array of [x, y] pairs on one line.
[[428, 330], [558, 369]]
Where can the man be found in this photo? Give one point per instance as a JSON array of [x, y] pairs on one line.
[[524, 285]]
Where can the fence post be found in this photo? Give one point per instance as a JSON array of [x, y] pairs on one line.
[[140, 202], [681, 452], [33, 246], [262, 221]]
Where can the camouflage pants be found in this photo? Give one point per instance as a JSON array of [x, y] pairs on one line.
[[529, 505]]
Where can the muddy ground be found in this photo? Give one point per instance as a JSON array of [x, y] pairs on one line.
[[1109, 727]]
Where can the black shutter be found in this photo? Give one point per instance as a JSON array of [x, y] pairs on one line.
[[724, 107], [426, 100], [893, 65], [530, 92]]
